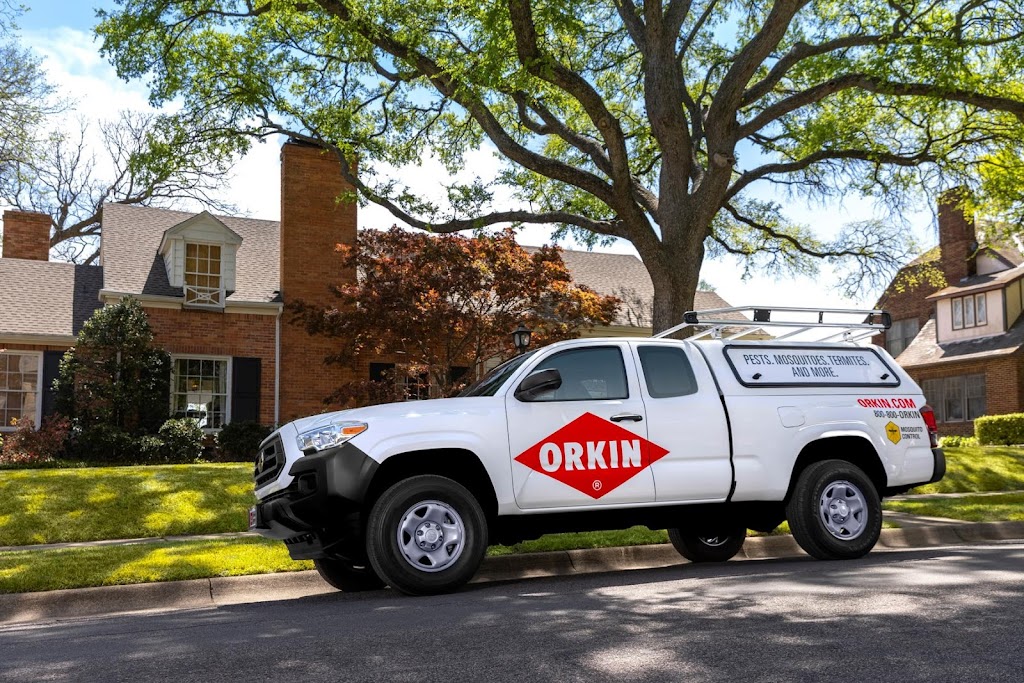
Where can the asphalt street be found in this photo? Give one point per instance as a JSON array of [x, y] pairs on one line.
[[936, 614]]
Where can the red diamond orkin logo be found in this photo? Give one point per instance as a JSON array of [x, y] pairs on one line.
[[592, 455]]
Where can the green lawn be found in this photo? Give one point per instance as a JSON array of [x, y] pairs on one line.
[[980, 468], [43, 570], [89, 504], [1008, 507]]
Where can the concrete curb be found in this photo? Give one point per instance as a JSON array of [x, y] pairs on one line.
[[22, 608]]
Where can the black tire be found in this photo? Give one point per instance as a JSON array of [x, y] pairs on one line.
[[346, 576], [426, 511], [849, 532], [714, 546]]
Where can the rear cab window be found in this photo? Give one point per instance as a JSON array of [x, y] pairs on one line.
[[667, 371]]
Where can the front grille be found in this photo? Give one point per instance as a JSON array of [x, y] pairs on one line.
[[269, 462]]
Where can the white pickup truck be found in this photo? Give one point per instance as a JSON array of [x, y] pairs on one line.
[[706, 437]]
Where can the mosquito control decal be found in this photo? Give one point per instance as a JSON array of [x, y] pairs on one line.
[[592, 455]]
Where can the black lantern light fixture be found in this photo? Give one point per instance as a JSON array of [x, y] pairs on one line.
[[521, 338]]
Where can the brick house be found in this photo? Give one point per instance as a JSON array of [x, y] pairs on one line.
[[214, 288], [962, 341]]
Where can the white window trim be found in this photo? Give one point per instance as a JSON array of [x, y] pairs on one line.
[[973, 298], [204, 356], [38, 417], [185, 274]]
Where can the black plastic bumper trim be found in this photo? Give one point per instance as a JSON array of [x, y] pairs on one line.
[[940, 466]]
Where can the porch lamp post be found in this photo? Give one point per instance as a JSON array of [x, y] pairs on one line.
[[521, 338]]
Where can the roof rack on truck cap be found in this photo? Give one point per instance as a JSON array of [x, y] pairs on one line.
[[859, 324]]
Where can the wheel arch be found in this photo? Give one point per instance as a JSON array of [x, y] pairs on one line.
[[857, 450], [458, 464]]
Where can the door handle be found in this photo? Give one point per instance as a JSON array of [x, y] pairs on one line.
[[622, 417]]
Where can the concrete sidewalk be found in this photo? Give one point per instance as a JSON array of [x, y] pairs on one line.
[[22, 608]]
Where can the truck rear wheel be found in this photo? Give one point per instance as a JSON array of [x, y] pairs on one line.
[[426, 535], [835, 512], [717, 546], [346, 576]]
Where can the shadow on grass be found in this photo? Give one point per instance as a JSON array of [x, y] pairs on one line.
[[57, 506], [41, 570]]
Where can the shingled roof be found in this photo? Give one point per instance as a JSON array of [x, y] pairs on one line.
[[925, 350], [132, 263], [625, 276], [46, 298]]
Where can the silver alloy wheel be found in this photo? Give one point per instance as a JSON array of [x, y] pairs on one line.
[[843, 510], [713, 541], [431, 536]]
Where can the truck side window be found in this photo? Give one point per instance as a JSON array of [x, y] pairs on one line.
[[592, 374], [667, 371]]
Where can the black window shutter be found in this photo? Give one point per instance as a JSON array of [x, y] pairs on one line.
[[245, 390], [51, 368]]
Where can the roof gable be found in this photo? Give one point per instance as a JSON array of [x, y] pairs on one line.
[[204, 225]]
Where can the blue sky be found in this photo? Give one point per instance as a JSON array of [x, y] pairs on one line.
[[61, 33]]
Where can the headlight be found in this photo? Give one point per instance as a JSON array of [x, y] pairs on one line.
[[328, 436]]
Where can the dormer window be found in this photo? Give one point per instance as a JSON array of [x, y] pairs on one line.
[[203, 283], [969, 311], [200, 255]]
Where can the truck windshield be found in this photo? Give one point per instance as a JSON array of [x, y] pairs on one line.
[[492, 381]]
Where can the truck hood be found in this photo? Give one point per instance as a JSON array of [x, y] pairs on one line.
[[433, 408]]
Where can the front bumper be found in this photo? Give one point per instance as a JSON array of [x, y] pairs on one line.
[[319, 513]]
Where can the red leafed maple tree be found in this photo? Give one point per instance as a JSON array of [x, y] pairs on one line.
[[436, 303]]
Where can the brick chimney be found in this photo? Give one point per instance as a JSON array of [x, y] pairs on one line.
[[26, 235], [315, 216], [958, 240]]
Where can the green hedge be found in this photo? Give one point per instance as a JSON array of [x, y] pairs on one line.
[[1000, 430]]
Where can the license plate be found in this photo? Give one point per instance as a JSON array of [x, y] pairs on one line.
[[252, 518]]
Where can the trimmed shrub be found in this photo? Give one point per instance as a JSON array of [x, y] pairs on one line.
[[955, 441], [1000, 430], [104, 444], [27, 446], [182, 440], [238, 441]]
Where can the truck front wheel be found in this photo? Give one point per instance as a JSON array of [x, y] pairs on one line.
[[426, 535], [835, 512], [346, 576], [716, 546]]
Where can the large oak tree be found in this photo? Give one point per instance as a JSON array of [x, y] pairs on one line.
[[653, 122]]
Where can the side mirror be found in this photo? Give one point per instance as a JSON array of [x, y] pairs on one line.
[[538, 382]]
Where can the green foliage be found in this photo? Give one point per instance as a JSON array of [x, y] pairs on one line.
[[99, 503], [663, 127], [954, 441], [1000, 430], [182, 440], [114, 376], [239, 441]]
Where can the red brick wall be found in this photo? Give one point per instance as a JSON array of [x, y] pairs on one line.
[[957, 247], [214, 333], [314, 218], [26, 236], [957, 237], [1004, 390]]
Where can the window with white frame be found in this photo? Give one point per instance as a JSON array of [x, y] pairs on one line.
[[956, 399], [899, 336], [969, 311], [19, 388], [199, 390], [203, 283]]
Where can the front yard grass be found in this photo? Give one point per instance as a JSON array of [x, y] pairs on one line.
[[43, 570], [1008, 507], [99, 503], [978, 469]]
